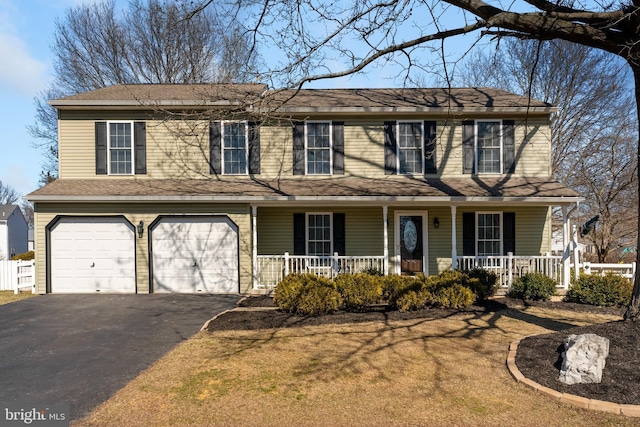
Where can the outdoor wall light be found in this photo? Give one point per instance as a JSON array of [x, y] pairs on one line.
[[140, 228], [436, 222]]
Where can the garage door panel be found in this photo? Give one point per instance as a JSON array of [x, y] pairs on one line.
[[92, 255], [195, 255]]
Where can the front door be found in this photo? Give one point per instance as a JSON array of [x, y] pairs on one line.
[[410, 242]]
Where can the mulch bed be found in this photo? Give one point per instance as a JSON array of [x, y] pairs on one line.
[[538, 357]]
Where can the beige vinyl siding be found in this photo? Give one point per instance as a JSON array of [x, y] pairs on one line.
[[180, 149], [276, 150], [363, 229], [177, 149], [239, 214], [532, 147], [364, 148]]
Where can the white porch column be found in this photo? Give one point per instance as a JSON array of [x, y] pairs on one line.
[[385, 237], [254, 244], [454, 250], [574, 245], [566, 254]]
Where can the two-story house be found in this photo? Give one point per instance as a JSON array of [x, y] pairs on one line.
[[226, 188]]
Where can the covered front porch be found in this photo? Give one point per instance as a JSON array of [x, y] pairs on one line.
[[409, 239]]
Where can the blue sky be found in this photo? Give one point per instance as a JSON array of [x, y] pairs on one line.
[[26, 31]]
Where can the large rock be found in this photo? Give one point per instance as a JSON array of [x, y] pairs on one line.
[[583, 359]]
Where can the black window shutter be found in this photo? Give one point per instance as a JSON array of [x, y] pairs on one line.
[[509, 232], [430, 147], [389, 148], [215, 148], [339, 242], [254, 148], [468, 136], [298, 148], [101, 148], [338, 148], [509, 146], [140, 144], [299, 239], [469, 234]]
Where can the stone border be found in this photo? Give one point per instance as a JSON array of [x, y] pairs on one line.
[[581, 402]]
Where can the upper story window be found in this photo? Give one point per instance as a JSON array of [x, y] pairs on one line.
[[488, 147], [318, 148], [410, 146], [120, 148], [235, 147]]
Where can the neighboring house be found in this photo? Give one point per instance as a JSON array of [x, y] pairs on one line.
[[13, 231], [226, 188]]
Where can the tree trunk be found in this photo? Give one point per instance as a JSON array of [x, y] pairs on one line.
[[633, 311]]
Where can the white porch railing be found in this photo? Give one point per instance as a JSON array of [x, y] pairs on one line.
[[509, 267], [271, 269], [17, 275]]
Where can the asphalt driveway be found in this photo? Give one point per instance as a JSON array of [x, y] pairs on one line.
[[80, 349]]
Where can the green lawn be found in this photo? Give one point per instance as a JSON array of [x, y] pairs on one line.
[[422, 372]]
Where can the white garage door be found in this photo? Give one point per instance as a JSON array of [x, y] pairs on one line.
[[92, 255], [198, 254]]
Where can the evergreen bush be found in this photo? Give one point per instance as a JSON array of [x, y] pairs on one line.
[[307, 294], [605, 291], [359, 291], [533, 287]]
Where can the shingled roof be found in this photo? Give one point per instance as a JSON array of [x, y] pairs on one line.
[[336, 190], [255, 97]]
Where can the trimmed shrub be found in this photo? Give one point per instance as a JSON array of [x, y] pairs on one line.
[[319, 298], [394, 285], [27, 256], [454, 296], [533, 287], [359, 291], [405, 292], [606, 291], [307, 294], [413, 299], [487, 284]]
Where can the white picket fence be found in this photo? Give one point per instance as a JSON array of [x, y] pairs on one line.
[[17, 275]]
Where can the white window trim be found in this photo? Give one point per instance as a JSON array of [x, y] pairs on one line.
[[421, 122], [246, 146], [306, 147], [306, 230], [501, 231], [475, 147], [133, 146]]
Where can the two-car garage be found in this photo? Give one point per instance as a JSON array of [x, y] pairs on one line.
[[187, 254]]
